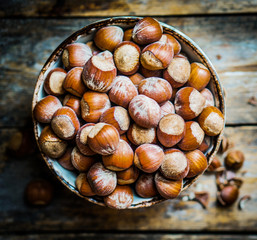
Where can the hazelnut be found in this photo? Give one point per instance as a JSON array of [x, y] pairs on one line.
[[172, 41], [148, 157], [206, 143], [197, 163], [81, 162], [138, 135], [99, 72], [167, 188], [45, 108], [157, 55], [215, 164], [193, 137], [121, 159], [81, 139], [225, 144], [145, 111], [76, 55], [211, 121], [128, 176], [126, 57], [72, 102], [93, 104], [155, 88], [122, 91], [199, 76], [102, 181], [167, 108], [83, 186], [50, 144], [150, 73], [128, 35], [39, 192], [120, 198], [147, 30], [189, 103], [65, 123], [136, 78], [107, 38], [175, 165], [234, 160], [103, 139], [228, 195], [54, 81], [208, 96], [145, 186], [65, 160], [95, 50], [178, 72], [171, 130], [73, 82], [118, 117]]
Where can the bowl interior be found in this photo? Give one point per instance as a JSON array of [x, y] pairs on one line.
[[84, 35]]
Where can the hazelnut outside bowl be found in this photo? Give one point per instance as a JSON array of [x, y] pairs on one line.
[[194, 53]]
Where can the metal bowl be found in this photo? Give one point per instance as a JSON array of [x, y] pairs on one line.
[[85, 34]]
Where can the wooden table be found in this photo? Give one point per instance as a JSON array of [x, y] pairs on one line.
[[31, 30]]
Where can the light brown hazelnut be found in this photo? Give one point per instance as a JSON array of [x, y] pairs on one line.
[[81, 162]]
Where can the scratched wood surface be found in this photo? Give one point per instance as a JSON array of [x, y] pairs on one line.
[[97, 8]]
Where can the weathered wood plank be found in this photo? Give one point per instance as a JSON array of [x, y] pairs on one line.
[[121, 7], [26, 45], [70, 213], [113, 236]]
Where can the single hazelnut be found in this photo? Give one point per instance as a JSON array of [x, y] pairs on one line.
[[50, 144], [118, 117], [73, 82], [197, 163], [126, 57], [206, 143], [167, 188], [178, 72], [128, 35], [128, 176], [208, 96], [225, 144], [83, 186], [156, 88], [172, 41], [150, 73], [145, 186], [93, 104], [54, 82], [189, 103], [107, 38], [167, 108], [120, 198], [136, 78], [171, 130], [193, 137], [228, 195], [81, 162], [102, 181], [122, 91], [138, 135], [76, 55], [99, 72], [65, 160], [199, 76], [157, 55], [215, 164], [72, 102], [81, 139], [175, 165], [148, 157], [145, 111], [234, 160], [121, 159], [39, 192], [103, 139], [211, 121], [65, 123], [147, 30], [45, 108]]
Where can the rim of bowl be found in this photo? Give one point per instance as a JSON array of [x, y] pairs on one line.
[[130, 21]]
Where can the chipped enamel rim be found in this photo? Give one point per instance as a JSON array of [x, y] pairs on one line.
[[189, 47]]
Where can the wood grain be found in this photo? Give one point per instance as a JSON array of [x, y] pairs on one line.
[[103, 8], [229, 42], [70, 213]]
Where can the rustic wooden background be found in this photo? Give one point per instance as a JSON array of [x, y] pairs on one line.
[[31, 30]]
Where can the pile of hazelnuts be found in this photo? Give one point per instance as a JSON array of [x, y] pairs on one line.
[[135, 114]]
